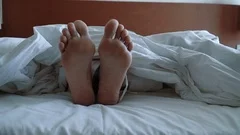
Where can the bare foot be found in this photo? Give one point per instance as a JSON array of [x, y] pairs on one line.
[[115, 58], [77, 52]]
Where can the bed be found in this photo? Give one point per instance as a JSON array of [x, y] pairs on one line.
[[153, 112]]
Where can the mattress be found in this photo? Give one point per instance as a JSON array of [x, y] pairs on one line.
[[137, 114]]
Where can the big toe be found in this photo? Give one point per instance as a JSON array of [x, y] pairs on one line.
[[81, 28], [111, 28]]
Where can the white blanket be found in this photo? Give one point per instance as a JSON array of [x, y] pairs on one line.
[[194, 61]]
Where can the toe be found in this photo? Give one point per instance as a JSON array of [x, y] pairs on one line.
[[61, 47], [66, 33], [119, 31], [110, 28], [124, 34], [127, 41], [130, 46], [81, 28], [72, 29], [63, 39]]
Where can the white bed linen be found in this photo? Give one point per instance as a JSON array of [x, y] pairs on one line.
[[54, 114], [200, 68]]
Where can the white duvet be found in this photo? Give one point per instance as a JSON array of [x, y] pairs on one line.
[[194, 62]]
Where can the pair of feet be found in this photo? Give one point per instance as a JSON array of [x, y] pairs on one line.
[[78, 50]]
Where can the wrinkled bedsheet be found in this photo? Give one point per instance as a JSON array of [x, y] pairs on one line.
[[55, 114]]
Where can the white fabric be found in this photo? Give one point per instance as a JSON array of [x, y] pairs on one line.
[[194, 61], [54, 114]]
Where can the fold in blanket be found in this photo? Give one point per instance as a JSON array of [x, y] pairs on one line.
[[194, 62]]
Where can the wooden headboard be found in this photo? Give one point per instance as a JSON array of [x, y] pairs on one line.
[[19, 16]]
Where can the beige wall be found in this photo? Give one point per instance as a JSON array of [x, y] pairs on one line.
[[1, 13], [143, 18], [228, 2]]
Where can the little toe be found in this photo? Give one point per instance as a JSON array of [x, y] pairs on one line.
[[72, 29], [130, 46], [119, 31], [61, 47], [111, 28], [66, 33], [81, 28], [63, 39]]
